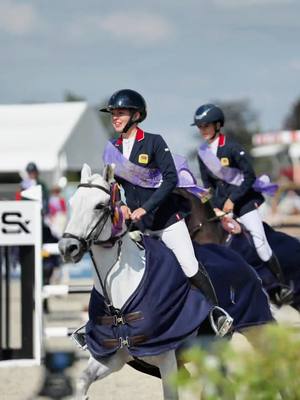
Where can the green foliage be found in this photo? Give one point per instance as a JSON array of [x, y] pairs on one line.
[[269, 372]]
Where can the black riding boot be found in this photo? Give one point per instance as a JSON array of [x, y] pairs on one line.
[[223, 320], [285, 294], [202, 281], [275, 268]]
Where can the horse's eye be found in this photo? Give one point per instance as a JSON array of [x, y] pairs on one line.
[[99, 206]]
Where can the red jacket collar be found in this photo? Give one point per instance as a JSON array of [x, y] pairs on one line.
[[222, 140], [119, 141], [140, 135]]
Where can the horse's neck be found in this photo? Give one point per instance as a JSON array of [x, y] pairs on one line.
[[121, 272], [210, 231]]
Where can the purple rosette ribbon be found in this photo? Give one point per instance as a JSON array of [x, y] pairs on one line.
[[234, 176], [150, 177], [263, 184]]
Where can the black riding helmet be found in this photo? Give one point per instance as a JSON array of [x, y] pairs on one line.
[[32, 167], [129, 99], [207, 114]]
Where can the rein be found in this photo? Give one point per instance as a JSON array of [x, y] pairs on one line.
[[197, 227], [204, 221], [219, 217]]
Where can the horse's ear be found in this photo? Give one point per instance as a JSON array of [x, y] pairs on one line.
[[108, 173], [86, 172]]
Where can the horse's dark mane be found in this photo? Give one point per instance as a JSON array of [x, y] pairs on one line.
[[202, 230]]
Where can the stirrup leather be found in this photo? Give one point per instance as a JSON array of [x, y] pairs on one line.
[[226, 324]]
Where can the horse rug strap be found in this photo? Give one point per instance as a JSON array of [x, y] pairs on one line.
[[115, 320], [121, 342]]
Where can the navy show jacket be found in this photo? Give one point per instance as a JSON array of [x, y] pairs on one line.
[[244, 197], [163, 207]]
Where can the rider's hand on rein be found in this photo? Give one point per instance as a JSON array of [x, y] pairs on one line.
[[138, 214], [126, 212], [228, 206]]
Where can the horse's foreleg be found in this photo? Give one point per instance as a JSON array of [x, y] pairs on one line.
[[167, 365], [98, 370]]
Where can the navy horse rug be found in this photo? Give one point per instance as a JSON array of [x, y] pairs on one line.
[[237, 285], [287, 250], [165, 310]]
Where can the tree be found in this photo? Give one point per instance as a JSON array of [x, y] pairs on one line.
[[241, 121], [71, 96], [292, 121]]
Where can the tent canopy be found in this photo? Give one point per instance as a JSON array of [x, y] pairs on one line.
[[54, 136]]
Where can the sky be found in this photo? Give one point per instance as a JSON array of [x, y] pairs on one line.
[[178, 55]]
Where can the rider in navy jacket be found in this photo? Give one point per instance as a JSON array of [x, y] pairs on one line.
[[163, 208], [244, 197], [234, 193], [157, 211]]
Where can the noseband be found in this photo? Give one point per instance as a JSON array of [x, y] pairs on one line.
[[93, 235]]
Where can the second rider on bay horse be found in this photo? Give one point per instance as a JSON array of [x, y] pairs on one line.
[[227, 172]]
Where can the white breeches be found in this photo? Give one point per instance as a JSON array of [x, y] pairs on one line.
[[253, 223], [177, 238]]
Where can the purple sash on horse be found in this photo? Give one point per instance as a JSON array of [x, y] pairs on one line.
[[233, 176], [150, 177]]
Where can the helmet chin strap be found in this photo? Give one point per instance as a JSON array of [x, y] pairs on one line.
[[217, 131], [130, 122]]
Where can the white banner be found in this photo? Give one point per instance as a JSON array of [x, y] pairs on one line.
[[20, 223]]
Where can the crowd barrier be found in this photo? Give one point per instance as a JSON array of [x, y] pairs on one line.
[[20, 304], [22, 331]]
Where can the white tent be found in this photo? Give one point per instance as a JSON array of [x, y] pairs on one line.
[[57, 137]]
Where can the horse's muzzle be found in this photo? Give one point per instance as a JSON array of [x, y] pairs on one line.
[[71, 249]]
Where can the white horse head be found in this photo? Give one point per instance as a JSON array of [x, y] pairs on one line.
[[90, 214]]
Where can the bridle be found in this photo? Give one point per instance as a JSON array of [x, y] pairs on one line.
[[93, 238]]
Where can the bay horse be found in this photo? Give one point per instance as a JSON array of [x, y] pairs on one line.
[[142, 306], [205, 228]]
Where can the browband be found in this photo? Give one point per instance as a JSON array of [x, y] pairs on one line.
[[91, 185]]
